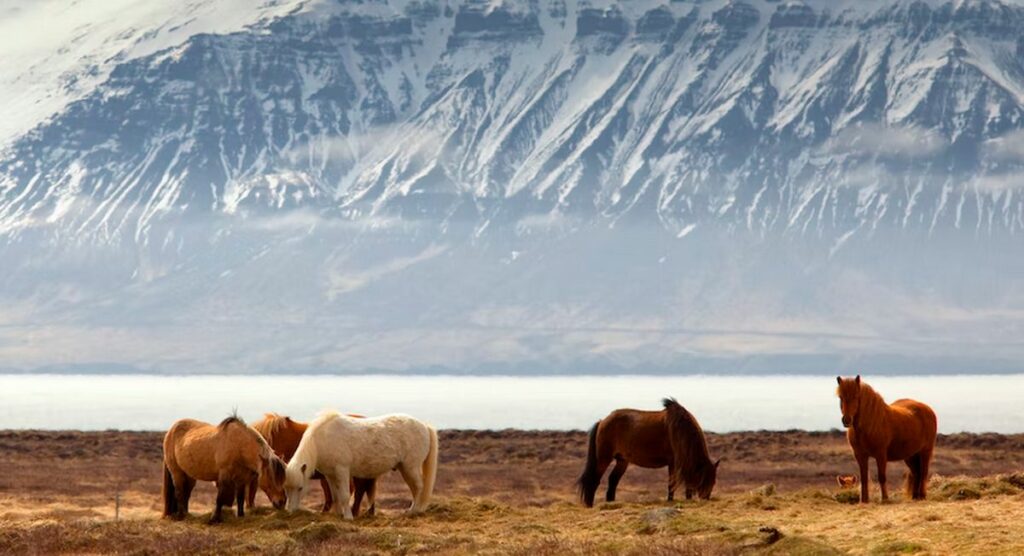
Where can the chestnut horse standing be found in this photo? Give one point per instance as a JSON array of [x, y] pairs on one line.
[[231, 454], [670, 437], [284, 434], [903, 430]]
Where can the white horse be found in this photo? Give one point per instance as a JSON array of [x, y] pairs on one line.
[[342, 447]]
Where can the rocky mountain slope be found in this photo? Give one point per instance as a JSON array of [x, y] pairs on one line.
[[803, 117]]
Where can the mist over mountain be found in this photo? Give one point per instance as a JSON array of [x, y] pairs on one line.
[[512, 186]]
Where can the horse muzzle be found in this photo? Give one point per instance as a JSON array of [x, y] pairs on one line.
[[279, 505], [847, 421]]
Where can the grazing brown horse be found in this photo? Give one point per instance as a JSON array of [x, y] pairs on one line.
[[231, 454], [903, 430], [283, 434], [653, 439]]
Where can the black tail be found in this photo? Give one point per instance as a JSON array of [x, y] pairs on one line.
[[587, 484], [170, 497]]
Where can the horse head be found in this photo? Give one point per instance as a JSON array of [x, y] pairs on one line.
[[295, 483], [707, 481], [849, 398], [272, 480]]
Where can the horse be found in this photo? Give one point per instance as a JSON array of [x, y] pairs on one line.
[[232, 454], [903, 430], [343, 447], [283, 434], [652, 439]]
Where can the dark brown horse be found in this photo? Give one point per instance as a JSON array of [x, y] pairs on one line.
[[284, 434], [903, 430], [653, 439]]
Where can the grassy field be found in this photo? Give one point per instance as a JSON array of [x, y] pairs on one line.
[[510, 492]]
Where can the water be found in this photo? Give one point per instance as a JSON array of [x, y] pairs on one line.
[[721, 403]]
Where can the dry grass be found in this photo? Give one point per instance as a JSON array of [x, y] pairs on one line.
[[510, 492]]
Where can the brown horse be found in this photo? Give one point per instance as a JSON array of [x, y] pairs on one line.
[[903, 430], [653, 439], [231, 454], [283, 434]]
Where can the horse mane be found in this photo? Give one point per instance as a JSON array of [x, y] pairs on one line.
[[872, 412], [233, 418], [270, 425], [689, 447], [265, 450]]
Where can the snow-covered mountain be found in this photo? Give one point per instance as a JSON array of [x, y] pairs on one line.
[[512, 186], [828, 117]]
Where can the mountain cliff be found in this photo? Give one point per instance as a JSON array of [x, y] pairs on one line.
[[512, 186], [815, 117]]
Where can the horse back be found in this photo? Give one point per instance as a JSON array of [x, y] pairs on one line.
[[370, 446], [203, 450], [640, 437]]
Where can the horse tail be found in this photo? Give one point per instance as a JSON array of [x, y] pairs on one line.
[[170, 498], [429, 469], [587, 483]]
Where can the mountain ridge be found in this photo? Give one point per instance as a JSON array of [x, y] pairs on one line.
[[794, 117]]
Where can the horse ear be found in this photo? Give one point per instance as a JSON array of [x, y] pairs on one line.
[[839, 380], [858, 380], [303, 469]]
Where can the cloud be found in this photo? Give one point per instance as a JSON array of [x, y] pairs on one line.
[[551, 222], [303, 220], [872, 139], [997, 183], [340, 283], [1007, 147], [360, 145]]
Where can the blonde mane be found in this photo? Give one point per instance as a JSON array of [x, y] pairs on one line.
[[270, 425]]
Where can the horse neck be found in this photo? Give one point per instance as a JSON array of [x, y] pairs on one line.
[[874, 407], [697, 455], [306, 452]]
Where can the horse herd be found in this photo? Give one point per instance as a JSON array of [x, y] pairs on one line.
[[347, 453]]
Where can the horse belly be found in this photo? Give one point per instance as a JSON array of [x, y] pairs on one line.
[[371, 466], [649, 455]]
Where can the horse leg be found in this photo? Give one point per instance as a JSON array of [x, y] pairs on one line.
[[881, 461], [913, 464], [251, 493], [613, 478], [363, 487], [603, 461], [924, 463], [328, 497], [414, 479], [671, 483], [225, 496], [190, 483], [240, 493], [181, 491], [371, 496], [341, 492], [689, 493], [862, 462], [357, 497]]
